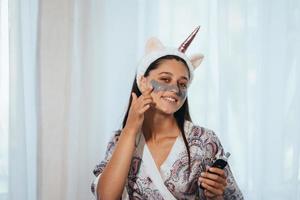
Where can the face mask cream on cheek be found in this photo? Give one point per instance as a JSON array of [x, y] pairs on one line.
[[161, 87]]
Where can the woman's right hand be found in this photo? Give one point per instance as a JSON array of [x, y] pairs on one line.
[[113, 178], [139, 105]]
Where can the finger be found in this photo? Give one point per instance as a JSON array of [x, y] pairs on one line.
[[148, 91], [209, 194], [212, 183], [209, 175], [214, 177], [215, 191], [146, 102], [217, 171], [134, 97], [143, 98], [144, 109]]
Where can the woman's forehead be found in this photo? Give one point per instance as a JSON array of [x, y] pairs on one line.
[[172, 67]]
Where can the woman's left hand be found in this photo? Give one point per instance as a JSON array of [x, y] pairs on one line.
[[214, 183]]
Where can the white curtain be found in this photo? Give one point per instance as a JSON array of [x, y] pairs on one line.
[[22, 138], [4, 99], [72, 71], [81, 43], [248, 91]]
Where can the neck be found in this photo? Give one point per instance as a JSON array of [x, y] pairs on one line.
[[158, 125]]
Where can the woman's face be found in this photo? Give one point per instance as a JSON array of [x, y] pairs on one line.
[[169, 81]]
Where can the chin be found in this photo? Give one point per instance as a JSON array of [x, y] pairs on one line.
[[167, 110]]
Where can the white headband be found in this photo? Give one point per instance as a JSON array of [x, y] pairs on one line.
[[155, 50]]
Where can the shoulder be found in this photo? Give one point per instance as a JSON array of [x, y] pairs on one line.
[[203, 138], [194, 130], [113, 139], [115, 135]]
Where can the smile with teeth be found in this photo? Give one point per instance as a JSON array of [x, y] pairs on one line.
[[169, 99]]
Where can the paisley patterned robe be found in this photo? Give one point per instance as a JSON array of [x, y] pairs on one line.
[[172, 180]]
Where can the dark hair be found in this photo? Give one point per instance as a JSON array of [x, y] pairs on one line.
[[180, 115]]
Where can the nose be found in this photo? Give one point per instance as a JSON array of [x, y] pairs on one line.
[[174, 88]]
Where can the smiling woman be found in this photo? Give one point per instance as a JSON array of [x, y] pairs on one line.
[[159, 153]]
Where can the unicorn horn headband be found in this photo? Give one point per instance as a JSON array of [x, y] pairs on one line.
[[155, 50], [183, 47]]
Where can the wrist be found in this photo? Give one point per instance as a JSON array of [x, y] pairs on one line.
[[130, 131]]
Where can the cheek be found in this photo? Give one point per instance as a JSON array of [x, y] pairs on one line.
[[156, 95], [158, 101], [158, 87], [182, 102], [183, 94]]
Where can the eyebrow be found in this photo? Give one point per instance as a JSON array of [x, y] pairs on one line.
[[184, 77]]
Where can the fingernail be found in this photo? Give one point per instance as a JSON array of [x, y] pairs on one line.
[[202, 173]]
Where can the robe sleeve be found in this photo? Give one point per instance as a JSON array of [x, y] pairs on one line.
[[100, 167], [214, 151]]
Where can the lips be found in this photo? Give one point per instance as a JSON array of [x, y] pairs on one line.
[[170, 99]]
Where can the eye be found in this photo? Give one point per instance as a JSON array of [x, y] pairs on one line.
[[183, 85], [165, 79]]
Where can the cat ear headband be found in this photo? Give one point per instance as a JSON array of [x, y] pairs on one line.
[[155, 50]]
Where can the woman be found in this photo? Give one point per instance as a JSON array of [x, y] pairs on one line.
[[160, 153]]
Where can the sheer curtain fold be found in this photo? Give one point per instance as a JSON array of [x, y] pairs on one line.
[[80, 45], [23, 100]]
